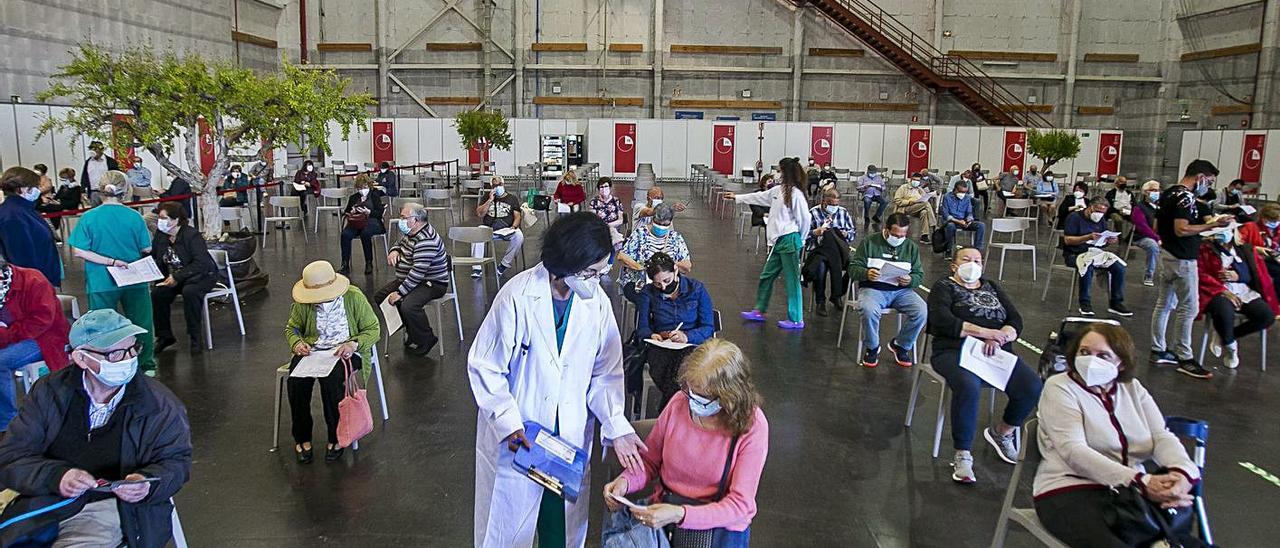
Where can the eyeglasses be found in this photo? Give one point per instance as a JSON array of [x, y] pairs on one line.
[[118, 354], [592, 273]]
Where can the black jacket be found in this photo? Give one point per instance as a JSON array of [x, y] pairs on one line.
[[179, 187], [191, 250], [390, 182], [112, 165], [375, 201], [156, 443]]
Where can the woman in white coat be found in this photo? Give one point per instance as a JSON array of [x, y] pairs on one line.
[[548, 352]]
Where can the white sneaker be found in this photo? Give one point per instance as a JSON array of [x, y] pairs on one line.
[[1215, 344], [963, 463], [1231, 358]]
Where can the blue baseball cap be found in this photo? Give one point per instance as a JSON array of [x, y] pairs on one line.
[[102, 329]]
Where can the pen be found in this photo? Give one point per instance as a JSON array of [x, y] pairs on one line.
[[678, 326]]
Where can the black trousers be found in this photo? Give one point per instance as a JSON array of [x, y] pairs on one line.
[[827, 265], [664, 369], [193, 291], [332, 389], [1222, 314], [373, 228], [413, 312], [302, 197], [1076, 519]]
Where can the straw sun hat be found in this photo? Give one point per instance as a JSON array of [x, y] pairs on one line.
[[319, 284]]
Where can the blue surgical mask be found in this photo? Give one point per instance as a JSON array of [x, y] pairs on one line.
[[915, 183], [1202, 188], [1153, 195], [115, 374], [1224, 238], [1271, 225], [660, 231], [701, 406], [832, 209], [499, 190], [404, 226], [31, 193]]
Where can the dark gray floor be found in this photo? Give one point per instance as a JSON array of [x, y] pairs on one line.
[[842, 470]]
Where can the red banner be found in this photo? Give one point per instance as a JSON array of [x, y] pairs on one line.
[[722, 149], [205, 142], [1108, 154], [124, 156], [384, 149], [624, 148], [1015, 150], [918, 150], [820, 144], [1251, 163]]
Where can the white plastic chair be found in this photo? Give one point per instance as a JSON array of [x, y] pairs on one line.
[[468, 236], [27, 375], [451, 296], [1012, 226], [238, 215], [179, 537], [70, 307], [432, 199], [941, 418], [282, 206], [222, 260], [471, 189], [851, 303], [1204, 342], [322, 203], [1068, 270], [1026, 517], [282, 373]]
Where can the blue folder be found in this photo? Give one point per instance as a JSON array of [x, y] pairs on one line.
[[551, 462]]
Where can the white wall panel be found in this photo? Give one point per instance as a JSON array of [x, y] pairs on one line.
[[405, 136], [1088, 158], [1229, 156], [871, 145], [775, 143], [746, 146], [1271, 165], [337, 145], [451, 144], [699, 138], [895, 146], [68, 147], [8, 137], [942, 153], [649, 144], [554, 127], [844, 147], [990, 150], [1191, 149], [575, 127], [360, 145], [430, 140], [674, 149], [524, 146], [32, 150], [966, 146], [798, 141], [599, 145], [504, 161], [1210, 146]]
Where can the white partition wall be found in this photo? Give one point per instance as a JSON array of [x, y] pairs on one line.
[[1088, 158], [675, 149], [430, 140], [1225, 149], [844, 147], [600, 145], [9, 138], [27, 120], [870, 145], [337, 145], [798, 140], [1210, 146], [649, 144], [451, 144], [699, 136], [942, 153], [895, 146], [967, 146], [990, 150], [1229, 155], [525, 142], [1271, 169], [405, 136], [1191, 149]]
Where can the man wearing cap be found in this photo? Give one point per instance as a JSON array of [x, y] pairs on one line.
[[82, 428], [95, 166], [871, 186]]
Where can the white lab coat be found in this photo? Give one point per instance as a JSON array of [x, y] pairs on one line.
[[517, 374]]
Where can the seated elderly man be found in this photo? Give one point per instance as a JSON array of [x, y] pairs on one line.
[[501, 212], [831, 232], [422, 275], [912, 200], [1083, 248], [642, 213], [115, 442]]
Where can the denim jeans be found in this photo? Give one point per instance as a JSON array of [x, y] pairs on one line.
[[978, 228], [873, 303], [12, 358], [866, 208], [1179, 289], [1023, 391], [1116, 270], [1153, 254]]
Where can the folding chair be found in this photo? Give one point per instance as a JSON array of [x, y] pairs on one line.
[[282, 374], [322, 204], [648, 379], [940, 419], [1011, 226], [851, 303], [1198, 432], [1204, 342], [451, 296], [222, 260], [432, 198], [471, 235], [1026, 517], [471, 189], [281, 206]]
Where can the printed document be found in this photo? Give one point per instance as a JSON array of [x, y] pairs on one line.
[[137, 272], [392, 315], [318, 364], [994, 370]]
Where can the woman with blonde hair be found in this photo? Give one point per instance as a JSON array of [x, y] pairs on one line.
[[710, 500], [569, 192]]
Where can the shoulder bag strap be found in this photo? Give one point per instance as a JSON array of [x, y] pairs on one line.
[[724, 478]]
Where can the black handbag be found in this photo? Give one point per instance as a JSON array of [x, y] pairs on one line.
[[634, 355], [1140, 522], [698, 538]]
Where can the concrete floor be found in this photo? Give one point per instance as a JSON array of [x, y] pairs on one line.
[[842, 469]]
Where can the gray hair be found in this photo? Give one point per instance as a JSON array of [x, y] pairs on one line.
[[662, 213], [417, 211], [1098, 200]]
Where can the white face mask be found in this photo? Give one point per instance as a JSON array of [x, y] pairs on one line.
[[311, 168], [1049, 178], [115, 374], [1015, 173], [969, 272], [31, 193], [961, 195], [583, 289], [894, 241], [606, 191], [1078, 194], [235, 173], [364, 192], [1096, 371], [66, 182], [657, 201], [703, 407], [1095, 216], [167, 225], [832, 209]]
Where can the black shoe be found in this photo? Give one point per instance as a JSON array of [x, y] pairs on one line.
[[871, 357], [821, 308], [1119, 310], [368, 269], [196, 347], [332, 454], [901, 355], [345, 270], [1193, 369], [305, 456], [924, 239], [1163, 357], [426, 349], [163, 343], [1086, 309]]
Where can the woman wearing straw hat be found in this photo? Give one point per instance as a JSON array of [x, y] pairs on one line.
[[328, 315]]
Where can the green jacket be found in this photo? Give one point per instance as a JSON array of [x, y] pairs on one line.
[[365, 328], [874, 246]]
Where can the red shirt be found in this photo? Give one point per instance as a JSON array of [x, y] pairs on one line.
[[570, 194], [32, 312]]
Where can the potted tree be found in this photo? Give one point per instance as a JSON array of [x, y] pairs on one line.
[[140, 99], [482, 130], [1053, 146]]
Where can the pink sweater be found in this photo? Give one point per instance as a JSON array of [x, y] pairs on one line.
[[693, 462]]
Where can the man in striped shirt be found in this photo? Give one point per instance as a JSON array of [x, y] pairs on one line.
[[422, 275], [831, 232]]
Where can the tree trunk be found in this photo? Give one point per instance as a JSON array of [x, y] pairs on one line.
[[210, 215]]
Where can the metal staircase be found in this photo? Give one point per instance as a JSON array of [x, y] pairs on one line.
[[917, 57]]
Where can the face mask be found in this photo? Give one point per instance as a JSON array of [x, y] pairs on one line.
[[1202, 188], [969, 272], [499, 191], [311, 168], [1236, 192], [915, 183], [235, 173], [404, 226], [66, 182], [671, 288], [832, 209], [31, 193], [1271, 225], [961, 195], [167, 225], [1095, 216], [657, 201], [606, 191], [1153, 195], [115, 374], [583, 289], [1095, 371], [701, 406], [364, 192], [1049, 178], [660, 231], [1224, 238], [894, 241], [1015, 173], [384, 170], [1078, 194]]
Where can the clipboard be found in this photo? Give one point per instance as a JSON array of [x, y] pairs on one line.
[[551, 462]]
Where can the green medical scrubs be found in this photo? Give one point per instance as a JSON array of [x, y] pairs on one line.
[[115, 231]]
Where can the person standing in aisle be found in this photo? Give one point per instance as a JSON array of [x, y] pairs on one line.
[[789, 221]]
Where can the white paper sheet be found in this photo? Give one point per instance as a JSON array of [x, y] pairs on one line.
[[994, 370], [504, 232], [926, 197], [889, 270], [672, 345], [392, 315], [562, 207], [1102, 239], [140, 271], [1248, 209], [318, 364], [625, 502]]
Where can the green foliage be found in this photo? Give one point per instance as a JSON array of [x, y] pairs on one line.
[[485, 127], [1052, 146]]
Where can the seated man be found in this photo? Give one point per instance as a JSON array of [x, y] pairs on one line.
[[872, 187], [831, 232], [957, 214], [642, 213], [674, 308], [1233, 281], [929, 181], [1119, 203], [422, 275], [1031, 180], [32, 329], [139, 178], [877, 294], [501, 212], [1079, 252], [99, 422], [1010, 184], [1144, 222], [910, 199]]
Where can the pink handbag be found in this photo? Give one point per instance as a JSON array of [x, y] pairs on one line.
[[354, 418]]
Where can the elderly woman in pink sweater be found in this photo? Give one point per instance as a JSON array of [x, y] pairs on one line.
[[705, 453]]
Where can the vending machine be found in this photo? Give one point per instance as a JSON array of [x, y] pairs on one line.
[[575, 150], [553, 155]]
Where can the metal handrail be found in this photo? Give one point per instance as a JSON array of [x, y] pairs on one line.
[[949, 66]]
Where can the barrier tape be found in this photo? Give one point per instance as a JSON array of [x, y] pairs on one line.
[[1261, 473], [397, 168], [174, 198], [1024, 344]]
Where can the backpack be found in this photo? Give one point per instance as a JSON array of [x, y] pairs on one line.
[[1053, 359]]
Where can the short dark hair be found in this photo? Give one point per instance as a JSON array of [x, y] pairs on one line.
[[1098, 200], [574, 242], [1200, 167], [659, 262], [1119, 340], [384, 165], [174, 210], [44, 170], [17, 178], [962, 184], [898, 219], [604, 181], [1233, 181], [1081, 185]]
